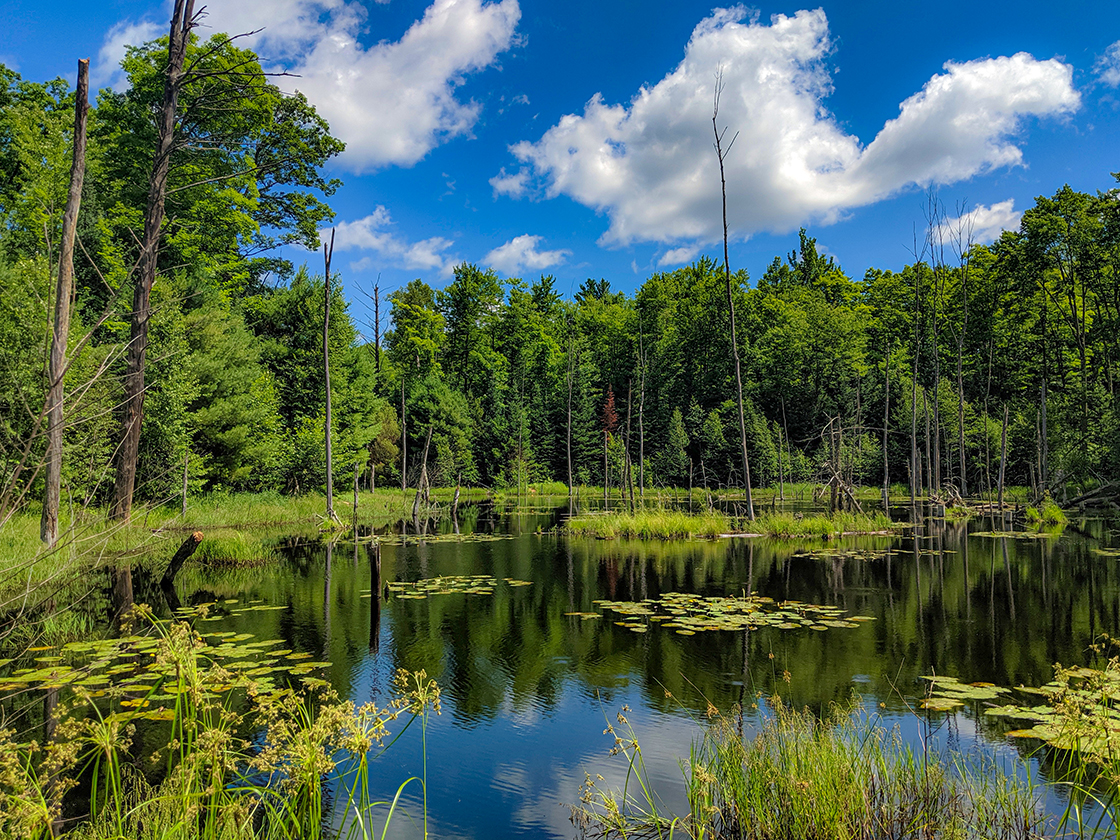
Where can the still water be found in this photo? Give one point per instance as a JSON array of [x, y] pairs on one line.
[[527, 690]]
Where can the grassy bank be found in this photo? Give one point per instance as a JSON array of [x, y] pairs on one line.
[[801, 778], [240, 530], [678, 525]]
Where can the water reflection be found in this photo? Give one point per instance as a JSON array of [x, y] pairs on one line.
[[526, 687]]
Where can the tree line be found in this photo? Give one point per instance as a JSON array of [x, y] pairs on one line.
[[974, 362]]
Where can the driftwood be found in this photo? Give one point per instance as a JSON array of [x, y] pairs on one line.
[[1102, 496], [185, 551]]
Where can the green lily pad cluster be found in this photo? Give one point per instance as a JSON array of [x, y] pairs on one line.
[[1014, 535], [948, 693], [860, 554], [689, 614], [133, 670], [451, 585], [413, 539], [1079, 709]]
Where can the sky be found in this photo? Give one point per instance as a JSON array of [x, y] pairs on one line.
[[576, 138]]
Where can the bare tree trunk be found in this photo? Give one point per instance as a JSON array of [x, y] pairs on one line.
[[960, 417], [641, 414], [931, 486], [626, 444], [186, 475], [52, 491], [404, 442], [1044, 445], [571, 374], [781, 467], [421, 485], [606, 475], [328, 252], [1002, 457], [182, 21], [357, 469], [721, 153], [376, 329], [886, 439], [785, 431]]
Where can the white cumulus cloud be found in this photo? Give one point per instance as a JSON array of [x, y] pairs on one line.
[[982, 224], [106, 71], [1108, 65], [522, 252], [391, 102], [678, 256], [650, 167], [374, 233], [514, 184]]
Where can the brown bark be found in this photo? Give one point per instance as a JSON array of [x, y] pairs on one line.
[[182, 21], [48, 525]]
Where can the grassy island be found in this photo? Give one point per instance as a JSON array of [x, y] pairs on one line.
[[679, 525]]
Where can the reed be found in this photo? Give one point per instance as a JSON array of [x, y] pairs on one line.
[[847, 777], [649, 525]]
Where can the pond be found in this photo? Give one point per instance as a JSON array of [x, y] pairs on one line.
[[533, 665]]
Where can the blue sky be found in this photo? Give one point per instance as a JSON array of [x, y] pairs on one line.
[[575, 138]]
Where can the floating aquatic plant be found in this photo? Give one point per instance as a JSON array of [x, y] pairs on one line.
[[450, 585], [689, 614]]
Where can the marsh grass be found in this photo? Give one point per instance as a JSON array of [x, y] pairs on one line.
[[820, 525], [649, 525], [678, 525], [1047, 513], [242, 757], [848, 777]]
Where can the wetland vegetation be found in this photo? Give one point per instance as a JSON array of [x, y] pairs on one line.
[[526, 509]]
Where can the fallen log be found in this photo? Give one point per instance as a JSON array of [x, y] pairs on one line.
[[1101, 494]]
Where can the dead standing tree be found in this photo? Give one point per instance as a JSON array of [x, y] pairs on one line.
[[48, 525], [722, 153], [328, 252], [182, 22]]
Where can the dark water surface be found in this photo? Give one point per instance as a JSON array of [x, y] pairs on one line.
[[527, 690]]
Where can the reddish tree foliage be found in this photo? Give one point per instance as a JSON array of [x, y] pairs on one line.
[[610, 416]]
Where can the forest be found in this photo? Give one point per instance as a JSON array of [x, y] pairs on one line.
[[178, 352], [910, 376]]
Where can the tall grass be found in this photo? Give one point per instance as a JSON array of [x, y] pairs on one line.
[[1047, 513], [649, 525], [820, 525], [801, 778], [216, 785], [676, 525]]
